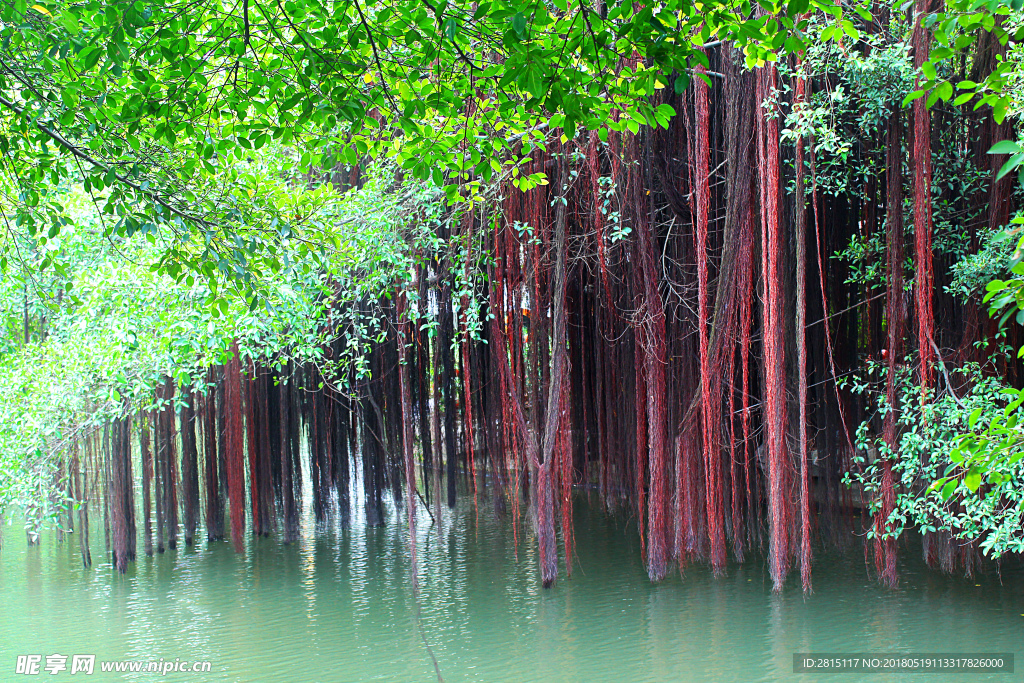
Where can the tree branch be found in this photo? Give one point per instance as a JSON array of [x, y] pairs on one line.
[[74, 149]]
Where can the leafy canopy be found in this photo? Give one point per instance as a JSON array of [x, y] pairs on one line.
[[159, 105]]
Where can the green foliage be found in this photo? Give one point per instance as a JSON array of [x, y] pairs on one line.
[[865, 257], [162, 172], [987, 452], [111, 327], [986, 472], [957, 182], [163, 164], [161, 106], [977, 496], [960, 27], [1006, 296], [993, 260], [869, 84], [956, 29], [845, 126], [980, 476]]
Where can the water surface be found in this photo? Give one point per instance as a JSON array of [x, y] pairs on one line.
[[338, 606]]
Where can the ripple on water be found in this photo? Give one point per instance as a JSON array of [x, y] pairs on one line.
[[337, 605]]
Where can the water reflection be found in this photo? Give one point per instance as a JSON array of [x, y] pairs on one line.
[[337, 605]]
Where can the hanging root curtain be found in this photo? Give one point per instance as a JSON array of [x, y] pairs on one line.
[[662, 324]]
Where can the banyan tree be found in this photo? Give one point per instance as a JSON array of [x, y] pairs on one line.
[[663, 317]]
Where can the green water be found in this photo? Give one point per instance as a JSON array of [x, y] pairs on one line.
[[338, 606]]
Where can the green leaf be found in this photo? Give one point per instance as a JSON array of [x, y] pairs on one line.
[[531, 82], [917, 94], [519, 24], [797, 7], [89, 57], [1011, 163], [1005, 147], [999, 110], [70, 22]]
